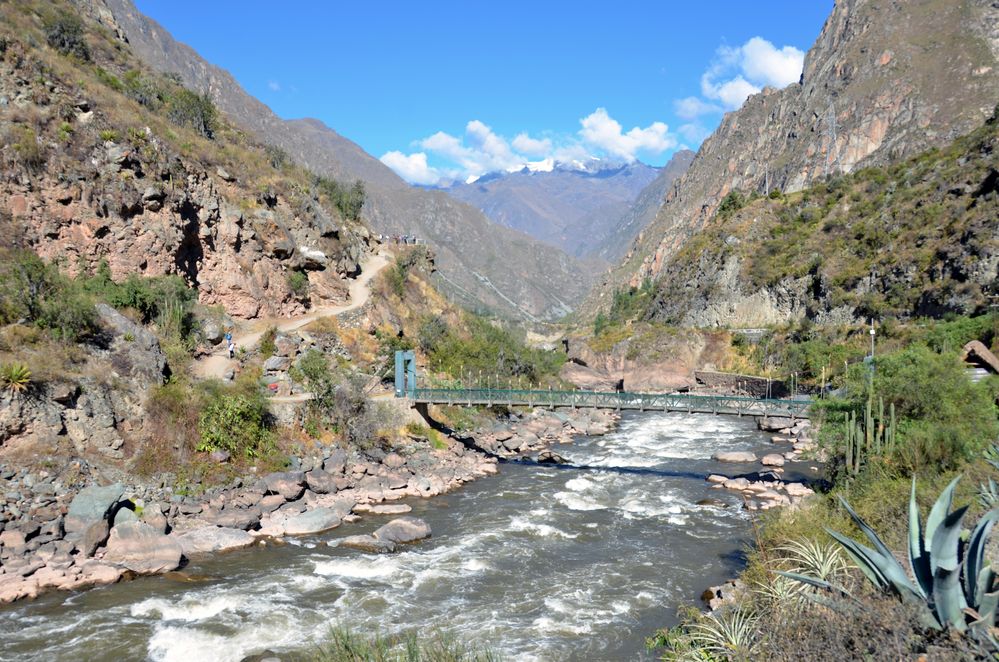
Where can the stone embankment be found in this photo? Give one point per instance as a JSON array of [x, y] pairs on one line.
[[64, 530], [769, 491]]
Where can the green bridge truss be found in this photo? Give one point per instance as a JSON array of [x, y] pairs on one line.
[[406, 387]]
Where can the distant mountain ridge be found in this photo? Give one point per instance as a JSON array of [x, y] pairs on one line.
[[576, 206], [483, 264]]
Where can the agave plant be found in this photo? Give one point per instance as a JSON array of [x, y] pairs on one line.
[[15, 377], [812, 558], [730, 635], [952, 581], [988, 493]]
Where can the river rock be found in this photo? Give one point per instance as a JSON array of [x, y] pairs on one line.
[[336, 463], [91, 505], [773, 460], [738, 484], [734, 456], [154, 517], [270, 503], [211, 539], [550, 457], [289, 484], [797, 490], [234, 518], [320, 481], [93, 537], [383, 509], [404, 529], [717, 479], [125, 515], [365, 543], [139, 548], [312, 521]]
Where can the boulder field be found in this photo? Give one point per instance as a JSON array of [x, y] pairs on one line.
[[83, 525]]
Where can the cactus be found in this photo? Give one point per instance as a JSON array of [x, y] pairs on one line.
[[872, 437], [953, 585]]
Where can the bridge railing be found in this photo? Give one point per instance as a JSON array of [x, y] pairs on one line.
[[719, 404]]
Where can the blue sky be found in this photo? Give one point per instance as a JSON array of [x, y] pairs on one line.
[[456, 89]]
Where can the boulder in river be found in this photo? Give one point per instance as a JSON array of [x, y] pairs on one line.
[[404, 529], [312, 521], [365, 543], [734, 456], [773, 460], [289, 484], [550, 457], [383, 509], [211, 539], [140, 548]]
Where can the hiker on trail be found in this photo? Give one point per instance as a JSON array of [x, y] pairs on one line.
[[232, 349]]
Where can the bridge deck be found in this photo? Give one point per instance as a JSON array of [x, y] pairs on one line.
[[666, 402]]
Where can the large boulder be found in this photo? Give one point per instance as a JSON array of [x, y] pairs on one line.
[[734, 456], [364, 543], [140, 548], [210, 539], [289, 484], [91, 505], [312, 521], [320, 481], [403, 529]]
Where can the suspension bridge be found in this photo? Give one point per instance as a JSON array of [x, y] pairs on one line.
[[406, 386]]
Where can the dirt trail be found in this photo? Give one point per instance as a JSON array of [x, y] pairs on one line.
[[248, 334]]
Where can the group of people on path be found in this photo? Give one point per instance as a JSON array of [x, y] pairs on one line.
[[230, 345], [403, 239]]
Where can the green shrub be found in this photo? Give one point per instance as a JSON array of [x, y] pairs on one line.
[[193, 110], [343, 645], [234, 422], [267, 346], [298, 283], [108, 135], [34, 292], [64, 32], [349, 200], [27, 148]]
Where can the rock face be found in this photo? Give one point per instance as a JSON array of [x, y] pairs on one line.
[[869, 95], [140, 548]]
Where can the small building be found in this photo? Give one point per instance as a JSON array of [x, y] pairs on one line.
[[979, 361]]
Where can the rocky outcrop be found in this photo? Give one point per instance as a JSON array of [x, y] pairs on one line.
[[138, 547], [883, 81]]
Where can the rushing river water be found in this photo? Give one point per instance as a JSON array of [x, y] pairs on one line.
[[538, 563]]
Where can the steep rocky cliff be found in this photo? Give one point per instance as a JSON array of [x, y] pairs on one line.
[[91, 175], [482, 263], [884, 80], [917, 238]]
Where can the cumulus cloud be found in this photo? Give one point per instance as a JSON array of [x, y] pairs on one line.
[[525, 144], [480, 150], [737, 72], [693, 107], [604, 132], [413, 167]]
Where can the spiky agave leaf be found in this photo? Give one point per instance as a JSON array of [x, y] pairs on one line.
[[882, 559], [937, 514], [948, 599], [977, 577], [919, 559]]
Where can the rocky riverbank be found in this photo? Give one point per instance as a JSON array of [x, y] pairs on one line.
[[85, 525]]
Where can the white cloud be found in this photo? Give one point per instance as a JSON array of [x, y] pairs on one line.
[[693, 107], [737, 72], [693, 132], [763, 62], [274, 85], [413, 168], [525, 144], [604, 132], [480, 150]]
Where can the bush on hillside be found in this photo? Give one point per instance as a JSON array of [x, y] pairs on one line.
[[234, 422], [339, 400], [34, 292], [64, 32], [193, 110]]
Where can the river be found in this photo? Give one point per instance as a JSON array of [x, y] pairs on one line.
[[537, 563]]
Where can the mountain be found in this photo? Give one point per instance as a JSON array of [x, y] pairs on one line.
[[481, 263], [569, 205], [885, 80]]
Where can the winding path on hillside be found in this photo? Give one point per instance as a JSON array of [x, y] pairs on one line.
[[218, 363]]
